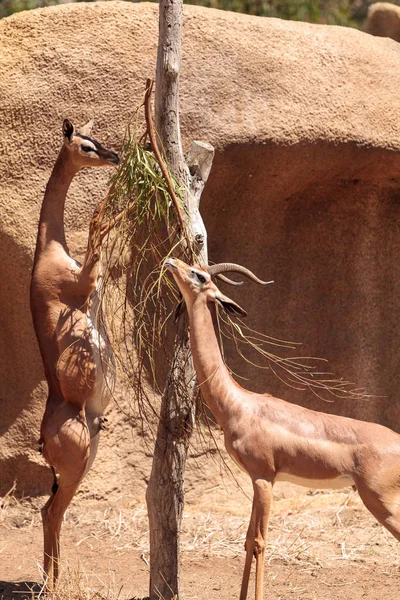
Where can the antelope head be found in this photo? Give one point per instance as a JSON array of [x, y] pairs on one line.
[[194, 281], [85, 150]]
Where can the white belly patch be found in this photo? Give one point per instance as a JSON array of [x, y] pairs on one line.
[[332, 484], [105, 368]]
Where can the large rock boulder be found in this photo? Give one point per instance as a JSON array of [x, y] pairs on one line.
[[383, 20], [304, 189]]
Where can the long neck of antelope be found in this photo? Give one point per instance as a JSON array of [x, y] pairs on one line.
[[51, 222], [219, 390]]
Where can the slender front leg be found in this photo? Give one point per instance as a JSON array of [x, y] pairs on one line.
[[262, 505], [89, 271], [98, 229], [249, 547]]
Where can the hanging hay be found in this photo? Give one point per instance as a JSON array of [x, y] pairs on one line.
[[138, 299]]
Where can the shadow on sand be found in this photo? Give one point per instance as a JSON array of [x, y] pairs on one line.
[[27, 590], [23, 590]]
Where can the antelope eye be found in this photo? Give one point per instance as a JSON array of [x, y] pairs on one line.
[[87, 148], [201, 278]]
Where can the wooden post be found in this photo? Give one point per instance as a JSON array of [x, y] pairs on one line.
[[165, 492]]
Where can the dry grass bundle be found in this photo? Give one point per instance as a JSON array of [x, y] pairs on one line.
[[138, 300]]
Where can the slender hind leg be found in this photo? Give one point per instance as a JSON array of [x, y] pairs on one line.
[[257, 536], [383, 500], [392, 524], [66, 448], [52, 515], [262, 503], [249, 547]]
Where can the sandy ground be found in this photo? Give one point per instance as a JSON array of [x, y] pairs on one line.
[[322, 545]]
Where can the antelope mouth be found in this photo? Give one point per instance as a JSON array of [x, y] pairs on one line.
[[114, 159], [170, 264]]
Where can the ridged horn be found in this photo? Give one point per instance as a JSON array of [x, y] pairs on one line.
[[227, 280], [233, 268]]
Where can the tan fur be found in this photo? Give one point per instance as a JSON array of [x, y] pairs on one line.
[[76, 353], [271, 439]]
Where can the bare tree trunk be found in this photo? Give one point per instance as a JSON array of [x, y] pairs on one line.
[[165, 492]]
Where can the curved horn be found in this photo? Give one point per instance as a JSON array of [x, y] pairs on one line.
[[221, 277], [233, 268], [227, 280]]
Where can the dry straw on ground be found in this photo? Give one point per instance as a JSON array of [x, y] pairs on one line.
[[309, 531]]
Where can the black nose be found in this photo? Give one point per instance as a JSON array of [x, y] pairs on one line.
[[115, 159]]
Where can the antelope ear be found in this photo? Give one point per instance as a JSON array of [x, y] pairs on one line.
[[180, 310], [68, 129], [87, 129], [229, 305]]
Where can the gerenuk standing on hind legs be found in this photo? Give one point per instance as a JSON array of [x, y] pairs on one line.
[[273, 440], [76, 353]]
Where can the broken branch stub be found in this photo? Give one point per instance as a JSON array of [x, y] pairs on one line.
[[199, 161]]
